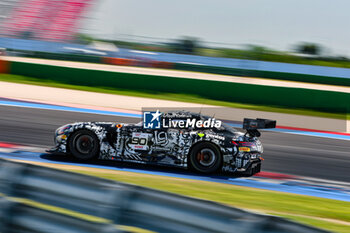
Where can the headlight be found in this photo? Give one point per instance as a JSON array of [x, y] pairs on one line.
[[58, 138], [62, 129]]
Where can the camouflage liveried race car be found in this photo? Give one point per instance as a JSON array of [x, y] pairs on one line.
[[179, 138]]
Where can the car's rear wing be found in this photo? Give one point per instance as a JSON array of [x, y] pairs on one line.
[[258, 123], [252, 125]]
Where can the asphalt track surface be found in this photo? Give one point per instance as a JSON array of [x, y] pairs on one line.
[[299, 155]]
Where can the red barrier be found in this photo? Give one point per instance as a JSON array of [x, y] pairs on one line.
[[119, 61], [162, 64], [134, 62], [4, 66]]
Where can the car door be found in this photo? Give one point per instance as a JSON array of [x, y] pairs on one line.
[[137, 143]]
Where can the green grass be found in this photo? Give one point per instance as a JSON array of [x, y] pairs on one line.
[[334, 227], [167, 96], [319, 212]]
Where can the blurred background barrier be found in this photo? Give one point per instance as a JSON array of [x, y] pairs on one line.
[[242, 70], [18, 217], [94, 59], [217, 65], [325, 101], [280, 75], [111, 201], [65, 57], [141, 62]]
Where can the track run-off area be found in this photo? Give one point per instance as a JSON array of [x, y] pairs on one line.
[[307, 162]]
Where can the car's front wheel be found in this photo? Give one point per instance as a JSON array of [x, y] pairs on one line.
[[205, 157], [84, 145]]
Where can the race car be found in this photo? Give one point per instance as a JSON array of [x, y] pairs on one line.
[[180, 140]]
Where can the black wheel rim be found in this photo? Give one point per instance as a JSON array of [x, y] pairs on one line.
[[84, 144], [206, 157]]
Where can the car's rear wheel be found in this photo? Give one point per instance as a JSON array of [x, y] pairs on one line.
[[84, 145], [205, 157]]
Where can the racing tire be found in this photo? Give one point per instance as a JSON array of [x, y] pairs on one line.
[[84, 145], [205, 158]]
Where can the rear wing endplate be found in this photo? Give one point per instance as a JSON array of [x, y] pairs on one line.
[[258, 123]]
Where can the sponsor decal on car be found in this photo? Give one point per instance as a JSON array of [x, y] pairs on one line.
[[139, 141], [244, 149], [213, 136]]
